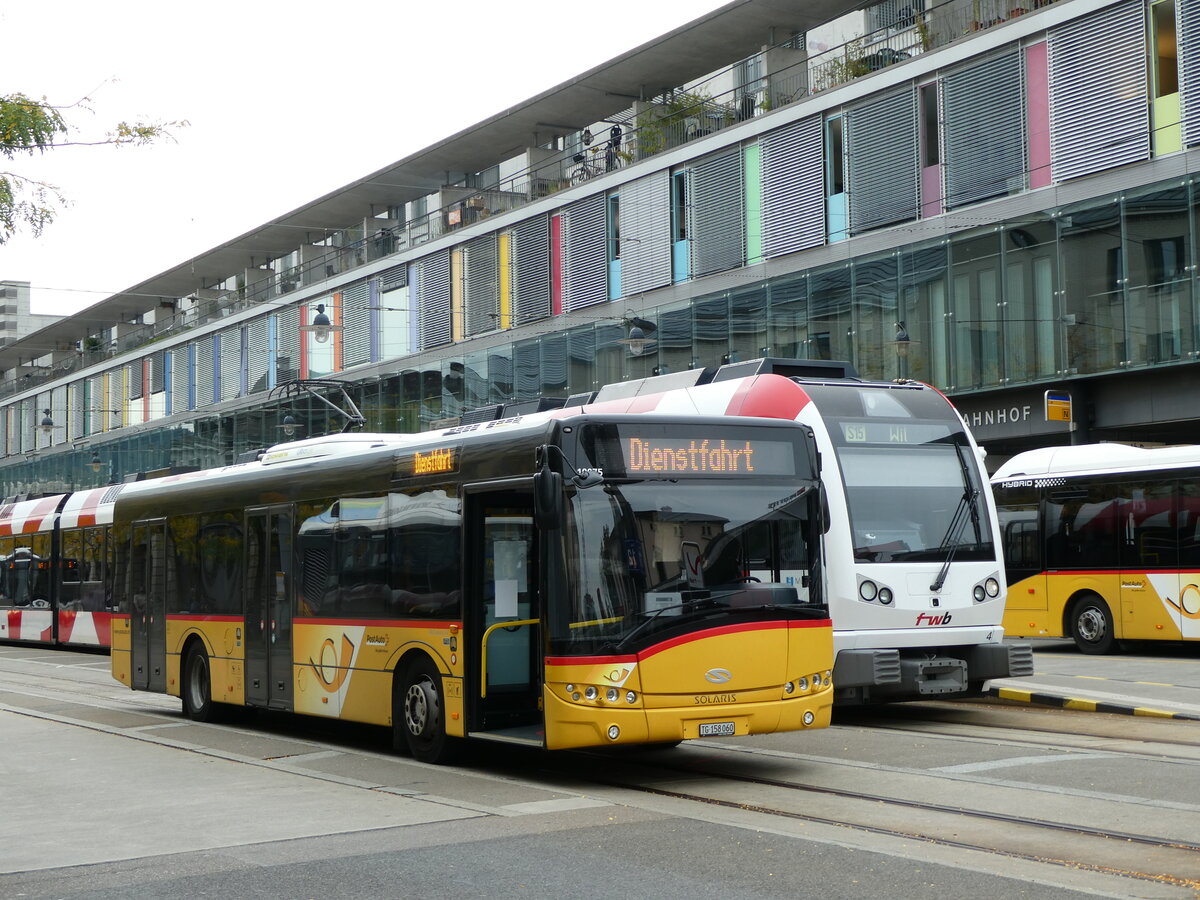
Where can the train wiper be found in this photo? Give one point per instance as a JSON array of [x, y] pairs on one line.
[[950, 543], [965, 510]]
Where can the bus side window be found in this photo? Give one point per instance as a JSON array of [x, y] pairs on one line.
[[1188, 520]]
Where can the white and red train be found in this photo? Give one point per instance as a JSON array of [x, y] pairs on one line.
[[56, 569]]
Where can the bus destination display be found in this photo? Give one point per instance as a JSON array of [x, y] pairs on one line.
[[705, 456], [865, 432]]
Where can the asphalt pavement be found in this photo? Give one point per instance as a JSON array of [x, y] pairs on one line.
[[1144, 679]]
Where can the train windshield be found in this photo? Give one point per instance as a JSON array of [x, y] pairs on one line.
[[649, 557], [912, 483]]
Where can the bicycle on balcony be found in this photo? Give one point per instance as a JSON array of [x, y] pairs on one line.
[[597, 160]]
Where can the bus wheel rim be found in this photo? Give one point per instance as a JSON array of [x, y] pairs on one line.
[[417, 708], [1091, 625]]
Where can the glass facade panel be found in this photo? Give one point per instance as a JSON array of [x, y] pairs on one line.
[[748, 323], [1030, 310], [876, 316], [829, 326], [974, 324], [788, 330], [1093, 282], [1159, 326], [675, 339]]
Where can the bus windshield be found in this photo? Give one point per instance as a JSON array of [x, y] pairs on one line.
[[913, 488], [644, 557]]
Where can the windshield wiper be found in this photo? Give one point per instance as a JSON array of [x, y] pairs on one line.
[[965, 510]]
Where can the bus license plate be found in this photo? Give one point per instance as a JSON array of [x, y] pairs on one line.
[[713, 729]]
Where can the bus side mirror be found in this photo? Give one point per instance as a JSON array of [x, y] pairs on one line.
[[547, 496], [826, 515]]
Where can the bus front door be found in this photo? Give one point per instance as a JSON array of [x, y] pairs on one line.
[[502, 618], [145, 590], [268, 607]]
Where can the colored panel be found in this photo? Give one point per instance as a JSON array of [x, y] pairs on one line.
[[1168, 133], [556, 282], [457, 313], [752, 173], [503, 264], [1037, 114]]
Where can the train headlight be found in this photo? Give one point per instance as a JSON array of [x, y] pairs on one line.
[[611, 695], [613, 732], [992, 586], [630, 697], [979, 593], [867, 590], [591, 693], [885, 596]]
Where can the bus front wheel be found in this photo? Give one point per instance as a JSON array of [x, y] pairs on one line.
[[1092, 625], [198, 703], [422, 714]]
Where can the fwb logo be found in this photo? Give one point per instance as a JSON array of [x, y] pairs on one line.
[[927, 619]]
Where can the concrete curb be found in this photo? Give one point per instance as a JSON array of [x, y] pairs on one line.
[[1064, 702]]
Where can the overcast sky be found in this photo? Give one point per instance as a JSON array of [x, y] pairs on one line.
[[286, 99]]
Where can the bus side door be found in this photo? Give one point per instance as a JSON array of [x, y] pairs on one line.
[[145, 592], [502, 616], [268, 607]]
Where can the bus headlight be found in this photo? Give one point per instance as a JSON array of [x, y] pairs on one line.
[[613, 732], [992, 586], [885, 596], [803, 683], [867, 590], [591, 693], [630, 697], [790, 688], [809, 718], [979, 593]]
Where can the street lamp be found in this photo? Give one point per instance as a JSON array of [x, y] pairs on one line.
[[320, 327]]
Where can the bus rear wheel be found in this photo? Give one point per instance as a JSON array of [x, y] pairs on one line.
[[196, 685], [422, 714], [1092, 625]]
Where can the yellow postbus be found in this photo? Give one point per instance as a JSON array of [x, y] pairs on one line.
[[556, 580], [1102, 543]]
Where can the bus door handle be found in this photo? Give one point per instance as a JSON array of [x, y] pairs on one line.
[[483, 648]]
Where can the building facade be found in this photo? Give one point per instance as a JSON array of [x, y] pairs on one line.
[[958, 195]]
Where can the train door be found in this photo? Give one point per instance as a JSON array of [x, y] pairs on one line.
[[145, 592], [268, 607], [502, 617]]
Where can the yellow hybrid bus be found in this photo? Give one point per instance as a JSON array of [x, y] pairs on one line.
[[1102, 543], [554, 580]]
